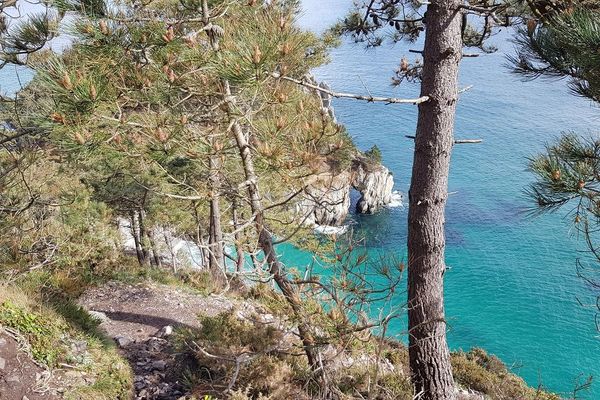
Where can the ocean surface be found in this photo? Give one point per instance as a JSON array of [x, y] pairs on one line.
[[512, 287]]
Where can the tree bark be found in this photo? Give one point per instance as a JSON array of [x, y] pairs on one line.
[[215, 240], [265, 239], [200, 238], [169, 243], [239, 249], [154, 248], [135, 232], [428, 350], [141, 219]]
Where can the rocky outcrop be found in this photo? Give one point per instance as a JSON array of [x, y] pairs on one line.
[[172, 250], [374, 182], [326, 200], [323, 95]]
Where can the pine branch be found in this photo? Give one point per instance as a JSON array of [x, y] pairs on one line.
[[457, 141], [370, 99]]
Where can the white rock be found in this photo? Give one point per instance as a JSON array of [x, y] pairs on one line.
[[326, 200], [122, 341], [165, 331]]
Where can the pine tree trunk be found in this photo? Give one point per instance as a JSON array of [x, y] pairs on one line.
[[169, 243], [265, 239], [135, 232], [142, 234], [154, 248], [428, 350], [239, 249], [215, 241], [200, 238]]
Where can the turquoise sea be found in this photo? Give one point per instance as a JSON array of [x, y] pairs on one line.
[[512, 288]]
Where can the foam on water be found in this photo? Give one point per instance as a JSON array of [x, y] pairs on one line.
[[331, 230], [397, 200]]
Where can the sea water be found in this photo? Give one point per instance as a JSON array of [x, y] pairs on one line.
[[512, 286]]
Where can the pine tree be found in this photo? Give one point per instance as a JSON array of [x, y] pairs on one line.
[[183, 105], [449, 26]]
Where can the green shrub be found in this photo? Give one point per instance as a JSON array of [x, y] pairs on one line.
[[51, 332], [42, 333], [374, 154], [484, 373]]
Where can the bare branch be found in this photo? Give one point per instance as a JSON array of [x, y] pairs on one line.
[[370, 99], [458, 141]]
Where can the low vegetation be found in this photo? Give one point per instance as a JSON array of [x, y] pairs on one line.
[[254, 360], [63, 343]]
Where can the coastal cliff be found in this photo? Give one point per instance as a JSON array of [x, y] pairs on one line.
[[374, 182], [326, 200]]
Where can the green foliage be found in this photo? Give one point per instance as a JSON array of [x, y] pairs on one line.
[[49, 333], [264, 370], [487, 374], [28, 36], [78, 318], [563, 44], [229, 331], [568, 171], [273, 301], [374, 154], [42, 334], [133, 107]]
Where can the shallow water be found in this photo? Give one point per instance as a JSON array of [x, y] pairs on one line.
[[512, 287]]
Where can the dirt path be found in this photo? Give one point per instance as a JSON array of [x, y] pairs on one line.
[[20, 377], [140, 318]]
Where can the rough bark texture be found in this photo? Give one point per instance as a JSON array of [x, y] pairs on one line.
[[215, 240], [142, 234], [135, 232], [428, 349], [239, 249], [155, 250], [265, 240]]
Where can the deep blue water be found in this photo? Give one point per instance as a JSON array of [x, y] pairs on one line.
[[513, 287]]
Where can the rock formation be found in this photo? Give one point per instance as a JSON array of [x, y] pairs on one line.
[[374, 182], [326, 200]]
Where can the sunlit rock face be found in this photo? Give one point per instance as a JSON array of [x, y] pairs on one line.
[[374, 182], [326, 200]]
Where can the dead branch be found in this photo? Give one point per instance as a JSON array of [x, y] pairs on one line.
[[370, 99]]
